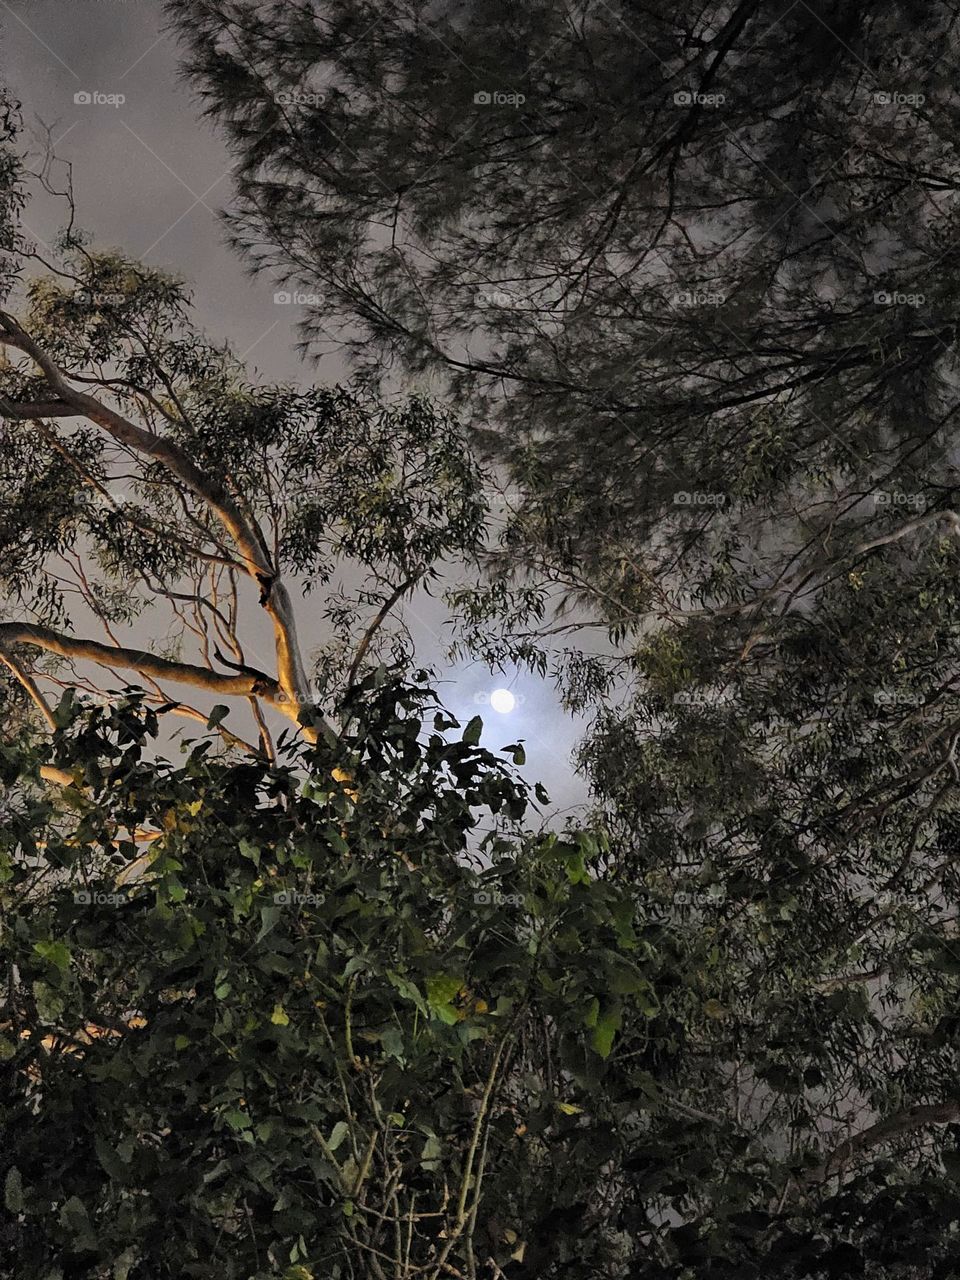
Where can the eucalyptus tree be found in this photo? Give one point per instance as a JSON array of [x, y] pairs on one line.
[[693, 277], [153, 500], [692, 272], [779, 785]]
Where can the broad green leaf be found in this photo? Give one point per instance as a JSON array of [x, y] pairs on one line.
[[124, 1263], [340, 1131], [111, 1160], [576, 868], [608, 1024], [249, 850], [217, 715], [64, 710], [74, 1217], [55, 952], [13, 1191], [391, 1038], [430, 1155], [407, 989], [442, 989], [269, 915], [471, 734], [50, 1003]]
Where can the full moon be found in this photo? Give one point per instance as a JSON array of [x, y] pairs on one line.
[[502, 700]]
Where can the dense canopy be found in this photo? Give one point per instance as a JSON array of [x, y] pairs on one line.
[[336, 1001]]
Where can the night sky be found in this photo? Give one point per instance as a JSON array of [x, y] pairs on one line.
[[149, 178]]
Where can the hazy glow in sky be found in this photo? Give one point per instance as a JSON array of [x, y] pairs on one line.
[[502, 700], [155, 158]]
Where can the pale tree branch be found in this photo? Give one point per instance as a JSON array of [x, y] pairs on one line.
[[265, 739], [164, 534], [50, 773], [30, 685], [26, 410], [146, 664], [932, 517], [895, 1126], [246, 535]]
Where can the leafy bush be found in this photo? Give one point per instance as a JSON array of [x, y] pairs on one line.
[[332, 1030]]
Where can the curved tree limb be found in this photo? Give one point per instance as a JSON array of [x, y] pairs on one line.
[[377, 622], [895, 1126], [144, 663], [246, 535], [28, 682]]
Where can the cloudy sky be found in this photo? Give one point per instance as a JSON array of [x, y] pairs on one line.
[[149, 178]]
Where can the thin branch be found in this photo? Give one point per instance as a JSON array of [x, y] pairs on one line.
[[377, 623], [30, 685], [895, 1126]]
